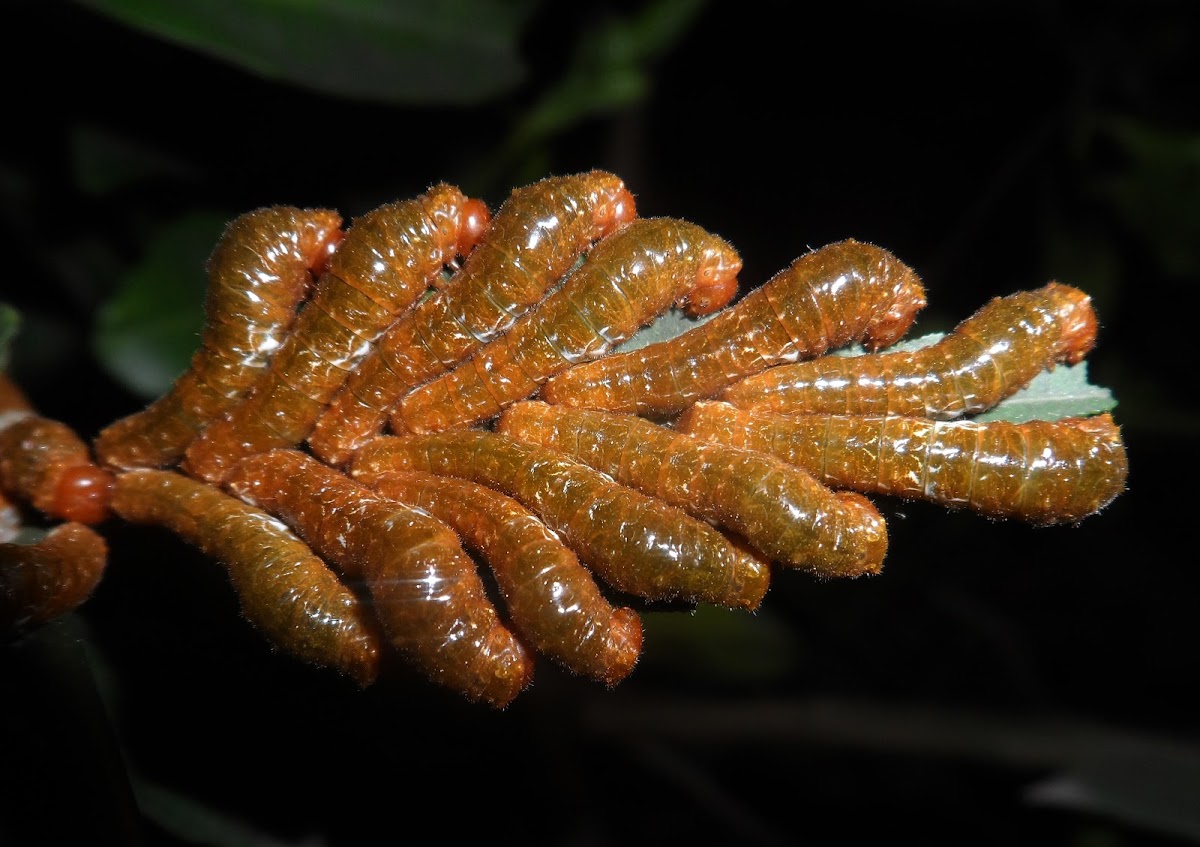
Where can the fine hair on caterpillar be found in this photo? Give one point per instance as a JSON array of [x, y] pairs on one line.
[[380, 416]]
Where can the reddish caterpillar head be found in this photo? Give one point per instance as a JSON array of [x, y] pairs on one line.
[[475, 219], [1078, 321], [612, 203], [717, 281], [886, 329], [83, 494], [461, 221]]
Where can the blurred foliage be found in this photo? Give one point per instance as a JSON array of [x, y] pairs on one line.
[[146, 333], [395, 51]]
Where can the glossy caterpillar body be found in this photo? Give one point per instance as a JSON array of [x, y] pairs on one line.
[[521, 443]]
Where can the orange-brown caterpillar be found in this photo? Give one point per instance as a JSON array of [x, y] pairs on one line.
[[987, 357], [552, 599], [43, 462], [425, 589], [49, 577], [778, 508], [387, 260], [285, 590], [628, 279], [1043, 472], [259, 272], [536, 236], [844, 292], [636, 543]]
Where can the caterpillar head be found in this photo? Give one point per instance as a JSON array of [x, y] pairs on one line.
[[716, 278]]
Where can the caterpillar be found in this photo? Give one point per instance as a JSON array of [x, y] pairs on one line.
[[636, 543], [47, 578], [629, 278], [1042, 472], [551, 598], [45, 463], [987, 357], [387, 260], [285, 590], [778, 508], [535, 237], [844, 292], [424, 586], [259, 272]]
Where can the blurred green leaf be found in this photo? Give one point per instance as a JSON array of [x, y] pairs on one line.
[[1155, 195], [146, 334], [609, 71], [394, 51], [106, 162], [1146, 786], [10, 324]]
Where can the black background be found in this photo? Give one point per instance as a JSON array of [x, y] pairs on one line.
[[921, 704]]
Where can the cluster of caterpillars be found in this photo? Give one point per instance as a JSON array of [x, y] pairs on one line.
[[374, 413]]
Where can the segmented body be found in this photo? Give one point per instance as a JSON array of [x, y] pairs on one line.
[[551, 598], [1043, 472], [45, 579], [425, 589], [536, 236], [45, 463], [845, 292], [636, 543], [259, 272], [285, 590], [629, 278], [778, 508], [987, 357], [388, 259]]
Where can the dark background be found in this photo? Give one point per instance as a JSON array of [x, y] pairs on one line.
[[997, 684]]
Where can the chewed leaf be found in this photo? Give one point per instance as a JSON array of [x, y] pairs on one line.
[[1063, 392]]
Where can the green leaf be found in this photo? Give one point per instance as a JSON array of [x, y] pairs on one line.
[[1063, 392], [394, 51], [146, 334], [668, 325], [10, 324]]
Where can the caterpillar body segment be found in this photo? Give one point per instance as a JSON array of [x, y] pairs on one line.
[[628, 279], [636, 543], [553, 602], [45, 463], [259, 272], [285, 591], [424, 586], [987, 357], [778, 508], [50, 577], [844, 292], [535, 237], [1042, 472], [387, 260]]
